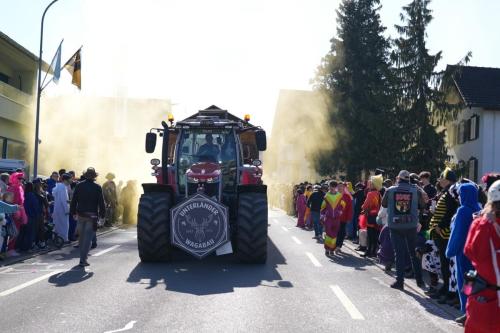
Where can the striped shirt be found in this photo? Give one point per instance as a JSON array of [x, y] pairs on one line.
[[445, 209]]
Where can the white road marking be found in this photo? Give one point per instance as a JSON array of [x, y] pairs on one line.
[[29, 283], [346, 302], [313, 259], [296, 240], [105, 251], [127, 327], [276, 221], [284, 229]]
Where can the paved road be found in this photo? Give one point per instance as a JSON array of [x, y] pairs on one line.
[[299, 290]]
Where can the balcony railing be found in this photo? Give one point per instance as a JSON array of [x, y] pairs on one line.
[[15, 95]]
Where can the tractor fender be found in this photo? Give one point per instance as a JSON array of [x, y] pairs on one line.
[[154, 187], [252, 188]]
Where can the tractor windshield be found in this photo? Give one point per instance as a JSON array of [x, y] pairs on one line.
[[216, 145]]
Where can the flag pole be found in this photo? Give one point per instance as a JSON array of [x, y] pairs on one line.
[[38, 93]]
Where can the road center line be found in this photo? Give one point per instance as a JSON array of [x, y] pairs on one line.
[[285, 229], [313, 259], [29, 283], [346, 302], [127, 327], [105, 251], [296, 240]]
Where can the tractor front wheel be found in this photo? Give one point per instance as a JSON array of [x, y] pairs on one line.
[[153, 227], [251, 238]]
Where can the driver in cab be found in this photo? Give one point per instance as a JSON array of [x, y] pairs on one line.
[[209, 152]]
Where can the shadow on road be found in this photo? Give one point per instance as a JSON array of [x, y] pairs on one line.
[[349, 260], [75, 275], [213, 275], [74, 253], [429, 306]]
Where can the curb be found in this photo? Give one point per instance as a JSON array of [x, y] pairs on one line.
[[21, 258]]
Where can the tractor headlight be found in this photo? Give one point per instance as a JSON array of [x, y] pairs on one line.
[[192, 179]]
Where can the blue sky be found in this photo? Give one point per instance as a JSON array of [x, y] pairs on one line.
[[236, 54]]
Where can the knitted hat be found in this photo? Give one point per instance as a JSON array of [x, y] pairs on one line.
[[494, 192]]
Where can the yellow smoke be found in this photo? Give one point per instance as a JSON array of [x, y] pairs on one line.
[[300, 133], [106, 133]]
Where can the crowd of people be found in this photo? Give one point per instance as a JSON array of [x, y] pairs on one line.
[[42, 213], [447, 234]]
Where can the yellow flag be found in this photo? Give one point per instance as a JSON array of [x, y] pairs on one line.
[[73, 65]]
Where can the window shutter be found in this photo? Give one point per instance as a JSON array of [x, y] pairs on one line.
[[461, 132], [473, 166], [472, 128]]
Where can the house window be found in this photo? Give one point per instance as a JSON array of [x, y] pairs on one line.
[[474, 127], [16, 150], [467, 130], [3, 148], [452, 135], [473, 166], [461, 168], [461, 132], [4, 78]]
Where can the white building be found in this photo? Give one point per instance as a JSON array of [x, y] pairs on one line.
[[474, 137]]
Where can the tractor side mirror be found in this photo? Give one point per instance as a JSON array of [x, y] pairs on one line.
[[260, 139], [150, 142]]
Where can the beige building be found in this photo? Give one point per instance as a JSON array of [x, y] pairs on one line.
[[18, 69]]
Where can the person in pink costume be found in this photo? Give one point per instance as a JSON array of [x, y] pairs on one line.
[[301, 208], [20, 218]]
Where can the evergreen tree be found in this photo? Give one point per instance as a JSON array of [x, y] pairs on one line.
[[422, 99], [356, 74]]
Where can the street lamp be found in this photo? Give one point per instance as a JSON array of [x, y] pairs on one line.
[[38, 94]]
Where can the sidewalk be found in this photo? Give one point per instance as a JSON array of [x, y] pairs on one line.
[[24, 256]]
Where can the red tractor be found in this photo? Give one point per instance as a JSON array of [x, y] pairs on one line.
[[209, 196]]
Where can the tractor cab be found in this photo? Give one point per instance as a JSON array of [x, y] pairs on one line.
[[210, 152]]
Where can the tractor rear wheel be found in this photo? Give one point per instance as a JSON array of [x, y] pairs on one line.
[[251, 235], [153, 227]]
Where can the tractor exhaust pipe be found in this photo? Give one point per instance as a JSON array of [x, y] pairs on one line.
[[164, 153]]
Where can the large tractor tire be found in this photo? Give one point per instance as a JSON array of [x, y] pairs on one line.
[[153, 227], [251, 235]]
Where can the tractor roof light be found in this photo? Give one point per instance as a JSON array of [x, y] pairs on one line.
[[171, 119], [247, 118]]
